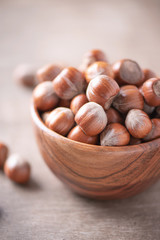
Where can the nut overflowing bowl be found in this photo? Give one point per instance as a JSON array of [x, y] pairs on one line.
[[98, 172], [98, 126]]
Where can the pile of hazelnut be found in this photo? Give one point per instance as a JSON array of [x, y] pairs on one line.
[[100, 103]]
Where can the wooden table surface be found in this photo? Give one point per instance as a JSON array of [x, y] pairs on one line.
[[40, 32]]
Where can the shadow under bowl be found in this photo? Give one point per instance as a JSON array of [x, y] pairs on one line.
[[98, 172]]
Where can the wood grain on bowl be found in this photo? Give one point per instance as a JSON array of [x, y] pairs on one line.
[[98, 172]]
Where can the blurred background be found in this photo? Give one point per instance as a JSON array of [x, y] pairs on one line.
[[40, 32]]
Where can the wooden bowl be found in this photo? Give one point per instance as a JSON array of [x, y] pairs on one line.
[[97, 171]]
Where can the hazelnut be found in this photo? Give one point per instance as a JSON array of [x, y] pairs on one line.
[[69, 83], [128, 98], [148, 74], [17, 169], [127, 71], [44, 96], [60, 120], [78, 135], [155, 132], [98, 68], [77, 102], [151, 91], [115, 134], [148, 109], [64, 103], [48, 72], [102, 90], [45, 115], [114, 116], [134, 141], [138, 123], [91, 118], [25, 75], [91, 57], [3, 154]]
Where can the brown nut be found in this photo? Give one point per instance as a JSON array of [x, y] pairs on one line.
[[102, 90], [48, 72], [115, 134], [128, 98], [155, 132], [44, 96], [25, 75], [148, 74], [17, 169], [127, 71], [77, 102], [114, 116], [60, 120], [91, 57], [69, 83], [45, 115], [3, 154], [98, 68], [78, 135], [151, 91], [91, 118], [148, 109], [64, 103], [134, 141], [138, 123]]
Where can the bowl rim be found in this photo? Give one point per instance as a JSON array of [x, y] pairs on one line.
[[38, 121]]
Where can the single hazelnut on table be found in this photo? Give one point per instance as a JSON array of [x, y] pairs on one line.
[[92, 56], [155, 132], [3, 154], [128, 98], [134, 141], [98, 68], [48, 72], [25, 74], [102, 90], [127, 71], [17, 169], [69, 83], [44, 96], [60, 120], [77, 102], [148, 74], [78, 135], [91, 118], [148, 109], [115, 134], [138, 123], [64, 103], [114, 116], [151, 91]]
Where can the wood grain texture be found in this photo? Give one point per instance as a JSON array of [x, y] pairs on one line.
[[95, 171], [41, 32]]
